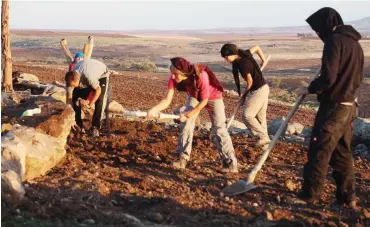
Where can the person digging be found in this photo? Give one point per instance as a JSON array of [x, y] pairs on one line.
[[342, 72], [204, 91], [87, 85], [257, 91]]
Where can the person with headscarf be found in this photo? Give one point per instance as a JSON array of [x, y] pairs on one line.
[[341, 75], [255, 97], [204, 91]]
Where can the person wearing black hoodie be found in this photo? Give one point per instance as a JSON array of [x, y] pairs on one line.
[[341, 76]]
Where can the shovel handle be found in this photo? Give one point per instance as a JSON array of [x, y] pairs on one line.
[[262, 160], [144, 114], [257, 168]]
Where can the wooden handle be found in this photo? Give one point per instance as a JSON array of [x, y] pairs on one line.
[[277, 135], [88, 48], [66, 52]]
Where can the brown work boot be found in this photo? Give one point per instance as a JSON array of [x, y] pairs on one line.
[[229, 166], [181, 164]]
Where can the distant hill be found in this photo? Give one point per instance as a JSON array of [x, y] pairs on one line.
[[362, 24]]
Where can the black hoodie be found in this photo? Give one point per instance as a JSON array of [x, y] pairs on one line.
[[342, 69]]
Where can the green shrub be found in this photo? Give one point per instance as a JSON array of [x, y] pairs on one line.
[[146, 66], [276, 82]]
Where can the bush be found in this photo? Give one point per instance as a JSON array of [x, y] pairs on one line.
[[303, 83], [276, 82], [146, 66]]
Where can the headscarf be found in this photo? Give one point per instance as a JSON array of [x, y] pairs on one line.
[[193, 72]]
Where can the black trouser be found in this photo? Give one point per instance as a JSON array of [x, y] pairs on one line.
[[331, 144], [100, 104]]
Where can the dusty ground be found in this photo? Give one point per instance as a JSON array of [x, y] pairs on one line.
[[130, 172]]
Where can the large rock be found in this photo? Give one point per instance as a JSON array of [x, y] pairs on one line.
[[27, 152], [274, 125], [115, 107], [41, 152], [362, 150], [28, 76], [361, 129], [292, 128]]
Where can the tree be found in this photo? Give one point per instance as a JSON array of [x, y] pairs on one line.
[[5, 45]]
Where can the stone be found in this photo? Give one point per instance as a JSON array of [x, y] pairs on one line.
[[342, 224], [42, 152], [28, 76], [89, 221], [268, 216], [12, 189], [290, 185], [179, 110], [157, 217], [274, 125], [332, 224], [306, 133], [27, 152], [113, 73], [294, 139], [6, 101], [231, 93], [366, 213], [295, 128], [362, 150], [295, 201], [115, 107], [361, 129]]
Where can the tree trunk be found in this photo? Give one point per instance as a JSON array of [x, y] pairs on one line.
[[5, 44]]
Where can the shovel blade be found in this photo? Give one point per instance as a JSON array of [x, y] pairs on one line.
[[238, 188]]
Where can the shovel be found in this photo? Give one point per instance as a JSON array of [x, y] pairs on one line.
[[245, 185], [144, 114], [242, 99]]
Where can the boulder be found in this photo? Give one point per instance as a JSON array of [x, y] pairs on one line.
[[27, 152], [40, 152], [28, 76], [115, 107], [361, 129], [362, 150], [274, 125]]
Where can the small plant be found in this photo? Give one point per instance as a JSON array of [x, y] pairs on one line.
[[146, 66], [303, 83], [276, 82]]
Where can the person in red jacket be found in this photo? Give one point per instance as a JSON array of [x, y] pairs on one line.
[[342, 72], [204, 91]]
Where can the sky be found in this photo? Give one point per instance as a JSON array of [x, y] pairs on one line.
[[172, 15]]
